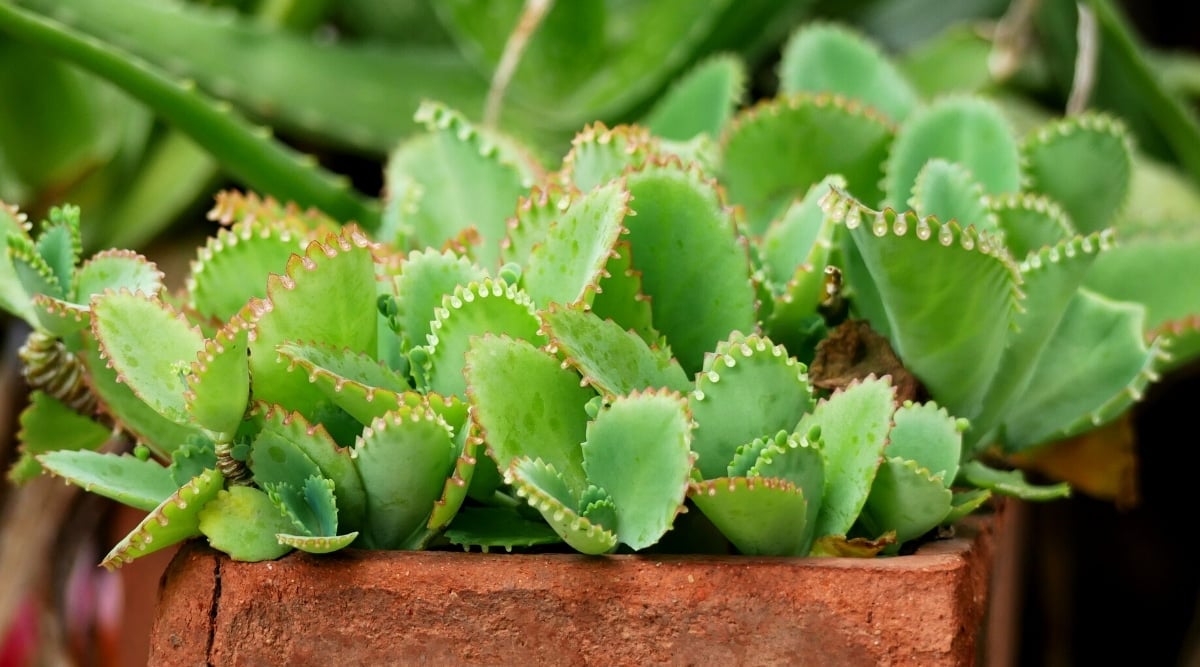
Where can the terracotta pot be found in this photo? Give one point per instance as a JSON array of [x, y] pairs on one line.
[[443, 607]]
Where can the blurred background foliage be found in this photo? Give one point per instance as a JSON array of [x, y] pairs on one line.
[[337, 83]]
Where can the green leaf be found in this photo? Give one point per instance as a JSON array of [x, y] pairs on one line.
[[1084, 163], [565, 265], [457, 485], [969, 131], [598, 155], [243, 523], [473, 310], [1011, 483], [620, 297], [540, 484], [679, 213], [353, 381], [947, 191], [527, 406], [854, 425], [797, 460], [464, 177], [47, 425], [612, 360], [927, 434], [760, 515], [233, 266], [905, 498], [150, 346], [637, 450], [116, 270], [828, 58], [425, 277], [749, 387], [316, 545], [125, 479], [1030, 222], [176, 519], [218, 384], [776, 150], [490, 527], [13, 297], [404, 459], [700, 102], [310, 505]]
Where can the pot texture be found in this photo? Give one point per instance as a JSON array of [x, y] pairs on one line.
[[441, 607]]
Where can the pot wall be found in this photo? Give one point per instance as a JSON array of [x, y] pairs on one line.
[[375, 607]]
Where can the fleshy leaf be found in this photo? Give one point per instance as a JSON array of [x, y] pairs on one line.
[[175, 519], [1011, 483], [966, 503], [233, 266], [492, 527], [192, 458], [599, 154], [831, 58], [749, 387], [527, 406], [125, 479], [454, 492], [243, 523], [404, 459], [124, 323], [947, 191], [759, 515], [854, 425], [610, 359], [1030, 222], [47, 425], [218, 384], [927, 434], [476, 309], [116, 270], [316, 545], [907, 499], [425, 277], [970, 131], [701, 101], [620, 297], [680, 213], [775, 151], [540, 484], [637, 451], [353, 381], [566, 264], [1084, 163], [797, 460]]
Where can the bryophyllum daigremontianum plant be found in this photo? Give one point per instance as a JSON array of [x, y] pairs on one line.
[[814, 321]]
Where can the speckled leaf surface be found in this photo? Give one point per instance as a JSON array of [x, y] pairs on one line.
[[126, 479], [233, 266], [760, 516], [355, 382], [243, 523], [175, 519], [425, 277], [600, 154], [218, 384], [927, 434]]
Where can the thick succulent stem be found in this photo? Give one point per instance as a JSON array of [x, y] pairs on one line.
[[51, 368]]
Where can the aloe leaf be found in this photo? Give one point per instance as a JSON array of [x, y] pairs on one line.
[[327, 90], [289, 450], [122, 322], [951, 335], [612, 360], [478, 308], [404, 459], [927, 434], [1030, 222], [495, 527], [540, 484], [905, 498], [749, 387], [1011, 483], [828, 58], [637, 450], [1094, 367], [696, 304], [969, 131], [126, 479], [527, 406], [48, 425], [425, 277], [700, 102], [243, 523], [566, 264], [759, 515], [466, 180], [587, 59], [948, 191], [776, 150], [233, 266], [176, 518], [600, 154], [854, 425], [620, 297], [1084, 163], [339, 274], [267, 166]]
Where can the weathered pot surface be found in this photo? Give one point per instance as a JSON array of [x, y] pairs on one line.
[[443, 607]]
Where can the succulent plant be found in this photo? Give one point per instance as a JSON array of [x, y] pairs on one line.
[[822, 323]]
